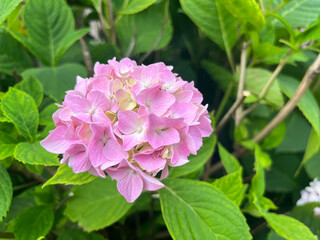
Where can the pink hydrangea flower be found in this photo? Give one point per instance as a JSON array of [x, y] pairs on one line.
[[130, 122]]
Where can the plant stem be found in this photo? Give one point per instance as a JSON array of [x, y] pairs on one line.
[[6, 235], [312, 71], [86, 56], [267, 86], [103, 21], [233, 108], [243, 64], [111, 22]]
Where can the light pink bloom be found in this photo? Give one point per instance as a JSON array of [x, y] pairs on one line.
[[131, 122]]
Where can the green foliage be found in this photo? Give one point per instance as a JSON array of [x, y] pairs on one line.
[[33, 87], [196, 161], [187, 210], [33, 223], [57, 80], [136, 6], [65, 175], [97, 204], [50, 27], [7, 145], [7, 6], [22, 111], [34, 154], [229, 162], [77, 234], [45, 117], [5, 192], [288, 227], [214, 20]]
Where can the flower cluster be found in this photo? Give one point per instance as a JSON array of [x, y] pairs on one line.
[[130, 122], [311, 194]]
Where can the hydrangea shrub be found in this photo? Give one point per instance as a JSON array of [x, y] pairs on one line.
[[131, 122]]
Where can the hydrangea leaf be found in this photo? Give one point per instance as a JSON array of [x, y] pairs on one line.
[[197, 210], [288, 227], [33, 223], [35, 154], [214, 20], [230, 163], [22, 111], [33, 87], [7, 145], [65, 175], [46, 114], [57, 80], [6, 7], [136, 6], [78, 234], [5, 192], [97, 204]]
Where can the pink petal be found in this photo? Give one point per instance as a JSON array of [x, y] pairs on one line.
[[129, 141], [77, 103], [150, 162], [99, 100], [128, 122], [131, 186], [150, 183]]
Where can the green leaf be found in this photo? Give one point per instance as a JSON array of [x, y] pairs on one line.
[[57, 80], [143, 30], [187, 209], [33, 87], [196, 161], [214, 20], [312, 166], [263, 157], [288, 227], [33, 223], [136, 6], [258, 182], [46, 114], [306, 215], [35, 154], [231, 185], [245, 11], [78, 234], [97, 204], [256, 79], [7, 145], [22, 111], [6, 7], [5, 192], [274, 138], [50, 26], [65, 175], [298, 13], [307, 105], [230, 163]]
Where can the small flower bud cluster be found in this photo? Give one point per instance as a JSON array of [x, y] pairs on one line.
[[130, 122], [311, 194]]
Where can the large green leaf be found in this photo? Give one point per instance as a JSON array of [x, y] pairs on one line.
[[7, 145], [35, 154], [308, 104], [22, 111], [288, 227], [33, 223], [143, 30], [196, 161], [50, 26], [65, 175], [256, 79], [298, 13], [245, 11], [57, 80], [231, 185], [78, 234], [214, 20], [6, 7], [33, 87], [5, 192], [306, 215], [312, 166], [97, 204], [46, 114], [136, 6], [197, 210]]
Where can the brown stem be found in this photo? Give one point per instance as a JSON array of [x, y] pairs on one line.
[[87, 57], [111, 23], [243, 65], [6, 235], [233, 108]]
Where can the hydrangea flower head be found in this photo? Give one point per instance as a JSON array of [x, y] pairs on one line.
[[311, 194], [130, 122]]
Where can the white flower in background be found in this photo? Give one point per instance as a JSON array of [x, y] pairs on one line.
[[310, 193], [95, 26]]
